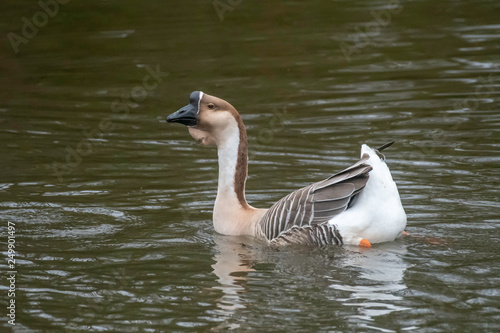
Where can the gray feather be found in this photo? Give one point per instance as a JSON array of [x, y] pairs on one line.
[[301, 217]]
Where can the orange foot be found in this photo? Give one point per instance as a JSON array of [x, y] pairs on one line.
[[365, 243]]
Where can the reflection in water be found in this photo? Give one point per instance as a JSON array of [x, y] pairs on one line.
[[232, 262], [378, 277], [382, 268]]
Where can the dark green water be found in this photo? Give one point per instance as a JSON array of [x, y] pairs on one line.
[[112, 206]]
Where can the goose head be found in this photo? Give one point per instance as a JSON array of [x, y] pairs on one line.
[[210, 120]]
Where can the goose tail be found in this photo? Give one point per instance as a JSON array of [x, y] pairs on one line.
[[385, 145]]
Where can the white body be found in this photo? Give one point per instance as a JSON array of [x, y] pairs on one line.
[[377, 213]]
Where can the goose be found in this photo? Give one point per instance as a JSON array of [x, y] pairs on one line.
[[357, 206]]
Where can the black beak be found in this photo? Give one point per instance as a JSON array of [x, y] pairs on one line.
[[187, 115]]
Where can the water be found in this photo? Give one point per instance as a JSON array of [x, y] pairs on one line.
[[117, 234]]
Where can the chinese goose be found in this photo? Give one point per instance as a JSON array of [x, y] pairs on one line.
[[359, 205]]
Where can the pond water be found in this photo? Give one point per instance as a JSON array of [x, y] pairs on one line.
[[111, 205]]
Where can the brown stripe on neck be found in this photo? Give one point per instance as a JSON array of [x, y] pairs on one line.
[[240, 176]]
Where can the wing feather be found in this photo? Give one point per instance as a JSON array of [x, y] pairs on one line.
[[320, 235], [303, 214]]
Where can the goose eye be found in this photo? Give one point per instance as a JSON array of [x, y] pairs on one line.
[[211, 106]]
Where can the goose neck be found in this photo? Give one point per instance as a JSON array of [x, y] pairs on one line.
[[233, 165]]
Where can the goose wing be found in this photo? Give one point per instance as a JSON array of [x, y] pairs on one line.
[[302, 216]]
